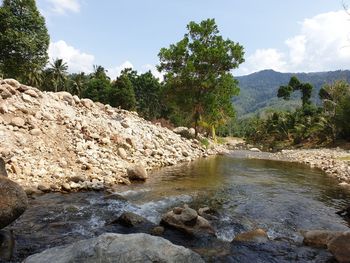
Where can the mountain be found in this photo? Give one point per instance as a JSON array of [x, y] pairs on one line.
[[259, 90]]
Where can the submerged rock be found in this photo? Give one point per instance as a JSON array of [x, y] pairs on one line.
[[257, 235], [118, 248], [338, 243], [340, 247], [7, 244], [319, 238], [344, 212], [130, 219]]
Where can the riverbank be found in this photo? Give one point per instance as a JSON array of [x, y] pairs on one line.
[[334, 162], [59, 142]]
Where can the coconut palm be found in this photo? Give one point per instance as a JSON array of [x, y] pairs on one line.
[[58, 74], [77, 84], [34, 78]]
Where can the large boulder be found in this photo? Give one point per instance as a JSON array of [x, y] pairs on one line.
[[319, 238], [188, 221], [13, 199], [340, 247], [118, 248], [7, 245], [137, 172], [2, 168], [185, 132]]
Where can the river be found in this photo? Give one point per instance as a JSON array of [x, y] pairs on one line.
[[282, 198]]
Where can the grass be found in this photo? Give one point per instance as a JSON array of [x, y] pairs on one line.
[[205, 142]]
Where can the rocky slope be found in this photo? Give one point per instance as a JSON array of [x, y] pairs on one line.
[[59, 142]]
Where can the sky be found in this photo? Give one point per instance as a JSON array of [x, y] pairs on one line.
[[287, 36]]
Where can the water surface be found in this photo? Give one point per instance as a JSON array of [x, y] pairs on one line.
[[282, 198]]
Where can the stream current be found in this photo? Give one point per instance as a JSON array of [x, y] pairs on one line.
[[282, 198]]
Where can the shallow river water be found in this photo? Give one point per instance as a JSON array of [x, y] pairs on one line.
[[282, 198]]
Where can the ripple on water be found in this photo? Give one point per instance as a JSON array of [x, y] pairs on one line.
[[246, 194]]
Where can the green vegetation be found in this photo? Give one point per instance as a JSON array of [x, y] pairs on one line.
[[258, 91], [24, 40], [308, 124], [197, 74]]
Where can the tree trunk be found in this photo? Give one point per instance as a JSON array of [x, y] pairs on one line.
[[196, 119], [213, 134]]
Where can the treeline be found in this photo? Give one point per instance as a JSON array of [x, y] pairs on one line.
[[308, 125], [130, 91]]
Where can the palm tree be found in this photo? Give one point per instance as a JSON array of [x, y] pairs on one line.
[[78, 82], [99, 73], [34, 78], [58, 74]]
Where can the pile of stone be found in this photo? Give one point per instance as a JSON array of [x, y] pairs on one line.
[[59, 142]]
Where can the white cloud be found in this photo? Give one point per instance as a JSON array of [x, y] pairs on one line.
[[63, 6], [153, 70], [263, 59], [114, 72], [76, 60], [323, 43]]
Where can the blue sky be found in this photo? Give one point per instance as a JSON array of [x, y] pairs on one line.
[[288, 36]]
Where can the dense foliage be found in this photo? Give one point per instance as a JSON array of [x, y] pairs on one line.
[[197, 74], [24, 40], [308, 124]]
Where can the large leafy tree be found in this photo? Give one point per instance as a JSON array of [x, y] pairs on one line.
[[24, 39], [122, 92], [98, 86], [148, 91], [197, 70]]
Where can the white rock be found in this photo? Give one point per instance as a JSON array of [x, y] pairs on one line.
[[17, 121]]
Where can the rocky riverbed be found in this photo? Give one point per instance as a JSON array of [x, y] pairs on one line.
[[59, 142]]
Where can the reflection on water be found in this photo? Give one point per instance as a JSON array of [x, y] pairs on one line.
[[283, 198]]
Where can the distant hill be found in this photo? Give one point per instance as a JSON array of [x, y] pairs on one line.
[[259, 90]]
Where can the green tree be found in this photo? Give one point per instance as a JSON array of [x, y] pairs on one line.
[[24, 39], [122, 92], [197, 70], [77, 83], [58, 74], [294, 85], [34, 78], [335, 98], [148, 92], [99, 73]]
